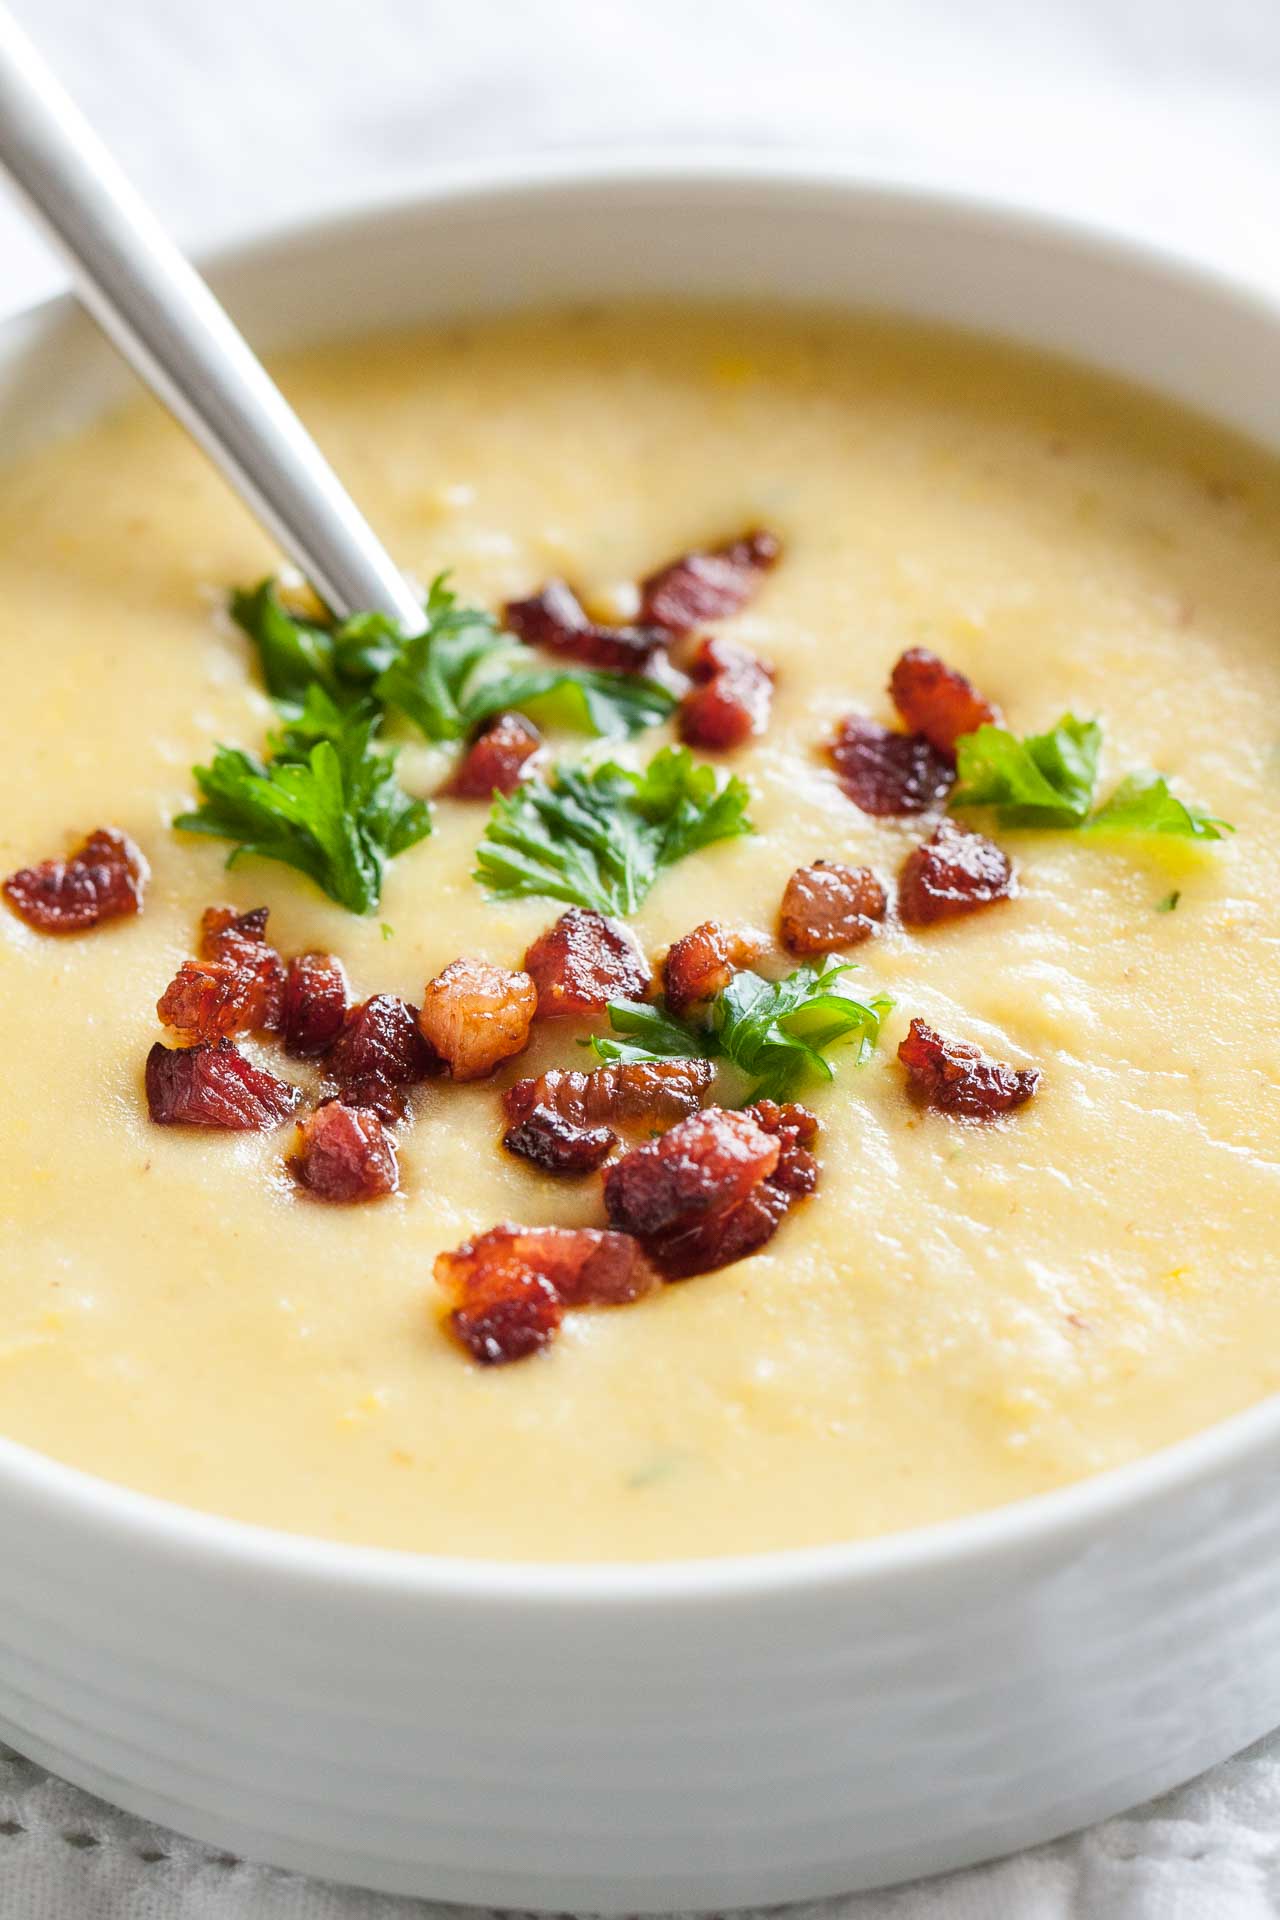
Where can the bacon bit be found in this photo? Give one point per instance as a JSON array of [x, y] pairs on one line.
[[223, 930], [475, 1015], [512, 1284], [731, 700], [657, 1092], [583, 962], [563, 1121], [557, 1145], [104, 879], [510, 1312], [888, 773], [708, 586], [702, 963], [214, 1086], [953, 873], [936, 701], [497, 759], [345, 1154], [236, 986], [715, 1188], [826, 906], [958, 1079], [557, 620], [707, 1162], [315, 1004], [795, 1129], [377, 1054]]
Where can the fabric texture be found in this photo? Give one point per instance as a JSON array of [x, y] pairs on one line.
[[1161, 117]]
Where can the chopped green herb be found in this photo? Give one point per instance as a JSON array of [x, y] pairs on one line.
[[326, 802], [661, 1467], [780, 1030], [776, 1032], [295, 655], [1143, 804], [1048, 780], [1169, 903], [448, 679], [599, 838], [651, 1033], [388, 933]]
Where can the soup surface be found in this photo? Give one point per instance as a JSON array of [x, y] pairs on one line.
[[962, 1314]]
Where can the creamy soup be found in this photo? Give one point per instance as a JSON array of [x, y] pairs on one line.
[[962, 1314]]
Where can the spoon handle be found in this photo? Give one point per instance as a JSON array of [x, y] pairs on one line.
[[167, 324]]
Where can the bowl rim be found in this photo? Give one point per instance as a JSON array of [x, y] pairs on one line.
[[1060, 1518]]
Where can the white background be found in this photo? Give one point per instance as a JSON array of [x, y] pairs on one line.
[[1158, 116]]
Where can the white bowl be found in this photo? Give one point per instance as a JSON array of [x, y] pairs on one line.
[[708, 1733]]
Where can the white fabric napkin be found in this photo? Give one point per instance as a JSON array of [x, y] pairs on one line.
[[1160, 116]]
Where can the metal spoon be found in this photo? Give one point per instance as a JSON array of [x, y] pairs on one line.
[[171, 330]]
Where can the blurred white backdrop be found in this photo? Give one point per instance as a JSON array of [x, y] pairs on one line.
[[1158, 116]]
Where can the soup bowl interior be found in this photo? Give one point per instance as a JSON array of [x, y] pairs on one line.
[[694, 1734]]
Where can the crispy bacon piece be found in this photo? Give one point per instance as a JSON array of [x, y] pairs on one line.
[[730, 700], [222, 930], [104, 879], [936, 701], [557, 1145], [345, 1154], [702, 963], [953, 873], [563, 1121], [475, 1015], [512, 1284], [888, 773], [705, 1163], [715, 1188], [315, 1004], [214, 1086], [497, 759], [708, 586], [583, 962], [795, 1130], [236, 986], [508, 1313], [557, 620], [655, 1092], [958, 1079], [379, 1052], [826, 906]]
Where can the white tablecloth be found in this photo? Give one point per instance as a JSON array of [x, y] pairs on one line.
[[1160, 115]]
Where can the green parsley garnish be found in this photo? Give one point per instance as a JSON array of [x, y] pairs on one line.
[[326, 801], [1170, 901], [1142, 803], [776, 1032], [1048, 780], [599, 837], [447, 680]]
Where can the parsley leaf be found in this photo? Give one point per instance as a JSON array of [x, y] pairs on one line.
[[325, 802], [1144, 804], [776, 1032], [1048, 779], [600, 837], [294, 654], [447, 680], [651, 1033]]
